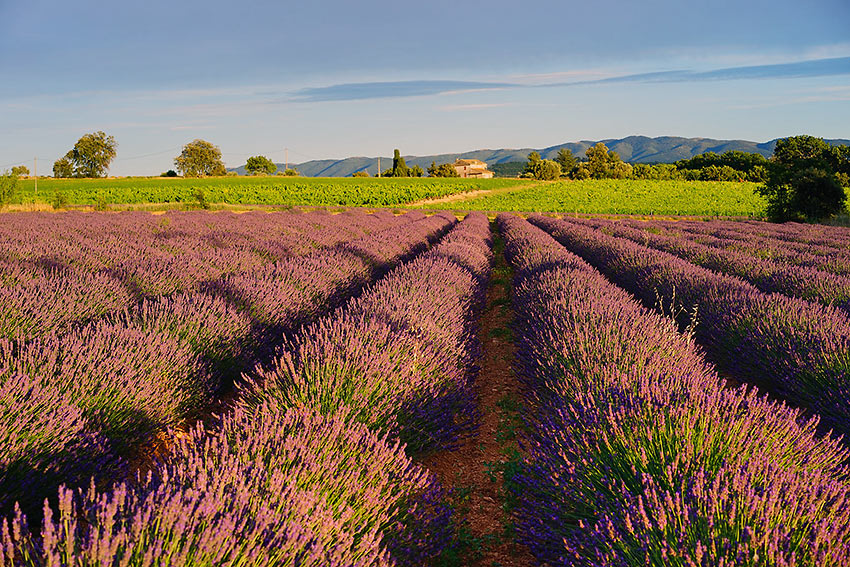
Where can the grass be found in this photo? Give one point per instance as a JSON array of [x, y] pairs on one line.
[[625, 196], [242, 190], [606, 196]]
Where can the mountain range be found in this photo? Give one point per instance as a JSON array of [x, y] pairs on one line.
[[633, 149]]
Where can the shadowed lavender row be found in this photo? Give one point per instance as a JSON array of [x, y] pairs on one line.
[[304, 486], [797, 349], [400, 356], [81, 402], [767, 275], [61, 271], [638, 454]]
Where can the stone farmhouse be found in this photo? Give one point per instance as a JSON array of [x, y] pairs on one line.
[[472, 168]]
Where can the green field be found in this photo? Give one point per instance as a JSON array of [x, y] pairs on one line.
[[295, 191], [605, 196], [610, 196]]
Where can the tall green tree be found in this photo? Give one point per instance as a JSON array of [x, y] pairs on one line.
[[804, 180], [20, 170], [531, 164], [90, 156], [400, 168], [566, 160], [200, 158], [260, 165], [416, 171]]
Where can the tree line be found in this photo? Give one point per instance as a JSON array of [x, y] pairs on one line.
[[601, 163], [804, 180]]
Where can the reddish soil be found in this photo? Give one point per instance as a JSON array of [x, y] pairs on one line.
[[464, 469]]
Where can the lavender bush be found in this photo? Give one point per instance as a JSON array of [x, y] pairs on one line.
[[265, 488], [638, 454], [798, 349], [399, 356]]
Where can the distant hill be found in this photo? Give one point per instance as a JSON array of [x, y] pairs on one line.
[[634, 149]]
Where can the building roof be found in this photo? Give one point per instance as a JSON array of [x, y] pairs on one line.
[[474, 162]]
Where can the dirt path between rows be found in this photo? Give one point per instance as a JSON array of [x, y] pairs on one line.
[[457, 197], [473, 470]]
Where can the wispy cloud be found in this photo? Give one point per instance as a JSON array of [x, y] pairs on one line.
[[793, 70], [484, 106], [400, 89], [390, 89]]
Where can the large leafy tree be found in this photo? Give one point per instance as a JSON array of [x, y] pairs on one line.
[[63, 167], [804, 180], [260, 165], [200, 158], [90, 157], [442, 170]]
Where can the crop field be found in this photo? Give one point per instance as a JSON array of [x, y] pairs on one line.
[[606, 196], [287, 388], [625, 196], [287, 191]]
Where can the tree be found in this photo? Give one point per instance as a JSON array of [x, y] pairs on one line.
[[291, 172], [566, 160], [619, 169], [257, 165], [442, 170], [547, 170], [260, 165], [63, 167], [416, 171], [532, 164], [360, 173], [400, 169], [90, 156], [803, 180], [20, 170], [199, 159], [8, 187]]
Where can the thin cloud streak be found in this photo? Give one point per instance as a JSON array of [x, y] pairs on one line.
[[390, 89], [402, 89]]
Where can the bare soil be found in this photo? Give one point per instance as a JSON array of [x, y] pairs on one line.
[[469, 468]]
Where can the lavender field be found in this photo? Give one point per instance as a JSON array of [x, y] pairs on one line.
[[200, 388]]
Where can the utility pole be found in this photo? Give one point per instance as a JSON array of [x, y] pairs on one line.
[[35, 173], [379, 166], [286, 159]]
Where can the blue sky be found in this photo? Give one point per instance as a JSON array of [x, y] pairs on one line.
[[336, 79]]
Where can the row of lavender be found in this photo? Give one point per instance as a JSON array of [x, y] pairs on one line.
[[60, 271], [830, 254], [767, 274], [83, 403], [638, 453], [309, 469], [829, 251], [797, 349]]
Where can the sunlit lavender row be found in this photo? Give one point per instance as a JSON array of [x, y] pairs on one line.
[[63, 270], [797, 349], [314, 477], [637, 452], [751, 261], [86, 401]]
